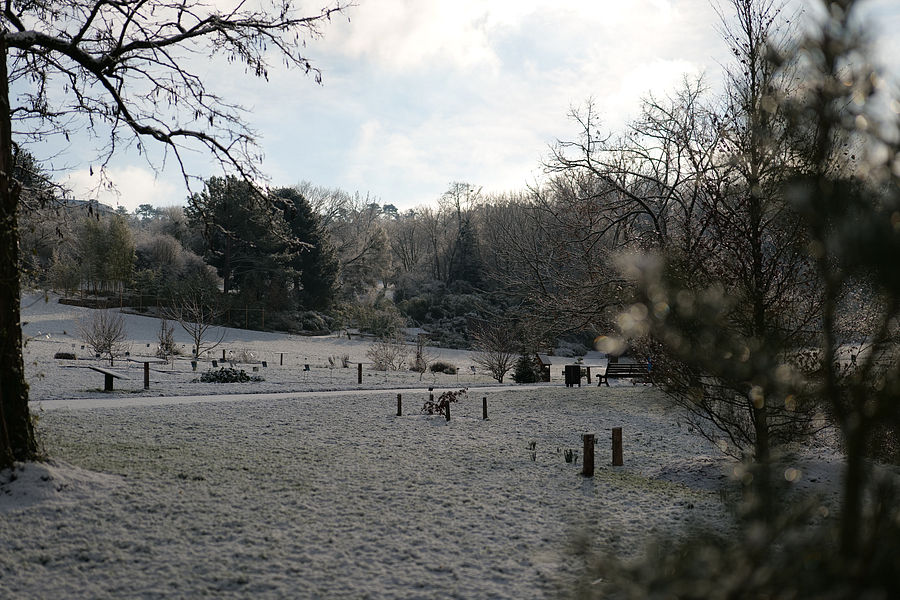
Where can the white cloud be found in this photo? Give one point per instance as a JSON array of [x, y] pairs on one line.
[[435, 115], [128, 186], [402, 34]]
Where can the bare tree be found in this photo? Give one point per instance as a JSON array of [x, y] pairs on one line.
[[423, 356], [388, 354], [121, 69], [104, 331], [701, 183], [551, 252], [496, 345], [166, 337], [196, 308], [408, 243]]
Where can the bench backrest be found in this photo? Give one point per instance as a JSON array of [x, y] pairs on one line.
[[626, 368]]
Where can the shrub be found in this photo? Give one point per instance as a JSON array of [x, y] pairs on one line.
[[166, 337], [228, 375], [440, 366], [388, 354], [439, 406], [245, 356], [382, 319], [313, 321], [64, 355], [343, 361], [795, 556]]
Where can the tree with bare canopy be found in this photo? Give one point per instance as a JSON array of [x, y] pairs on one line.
[[121, 70]]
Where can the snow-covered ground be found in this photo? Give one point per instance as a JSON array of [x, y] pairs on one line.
[[189, 490], [50, 327]]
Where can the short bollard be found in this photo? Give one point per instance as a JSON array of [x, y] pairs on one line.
[[399, 405], [587, 468], [146, 376], [359, 373], [281, 360], [617, 447], [484, 408], [448, 410]]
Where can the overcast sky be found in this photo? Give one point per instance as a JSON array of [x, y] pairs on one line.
[[421, 93]]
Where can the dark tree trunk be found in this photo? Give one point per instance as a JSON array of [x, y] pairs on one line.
[[16, 431], [854, 484]]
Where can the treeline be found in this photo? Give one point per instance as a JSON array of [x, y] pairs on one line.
[[308, 257]]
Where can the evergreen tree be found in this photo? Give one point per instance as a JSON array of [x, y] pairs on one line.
[[525, 371], [245, 238], [314, 265]]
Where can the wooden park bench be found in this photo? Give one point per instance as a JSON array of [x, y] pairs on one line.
[[108, 377], [624, 370]]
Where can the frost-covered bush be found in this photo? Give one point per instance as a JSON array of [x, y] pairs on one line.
[[388, 354], [342, 361], [245, 356], [440, 366], [313, 321], [228, 375], [166, 337], [381, 319]]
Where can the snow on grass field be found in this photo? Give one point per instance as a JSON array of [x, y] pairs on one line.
[[50, 327], [314, 494]]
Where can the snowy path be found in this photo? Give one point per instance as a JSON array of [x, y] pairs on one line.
[[415, 395]]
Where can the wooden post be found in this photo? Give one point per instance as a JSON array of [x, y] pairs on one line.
[[448, 411], [359, 373], [399, 405], [107, 382], [223, 354], [281, 360], [617, 447], [587, 468], [484, 408], [146, 376]]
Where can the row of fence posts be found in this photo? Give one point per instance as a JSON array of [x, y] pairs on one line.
[[587, 467], [588, 439], [484, 411]]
